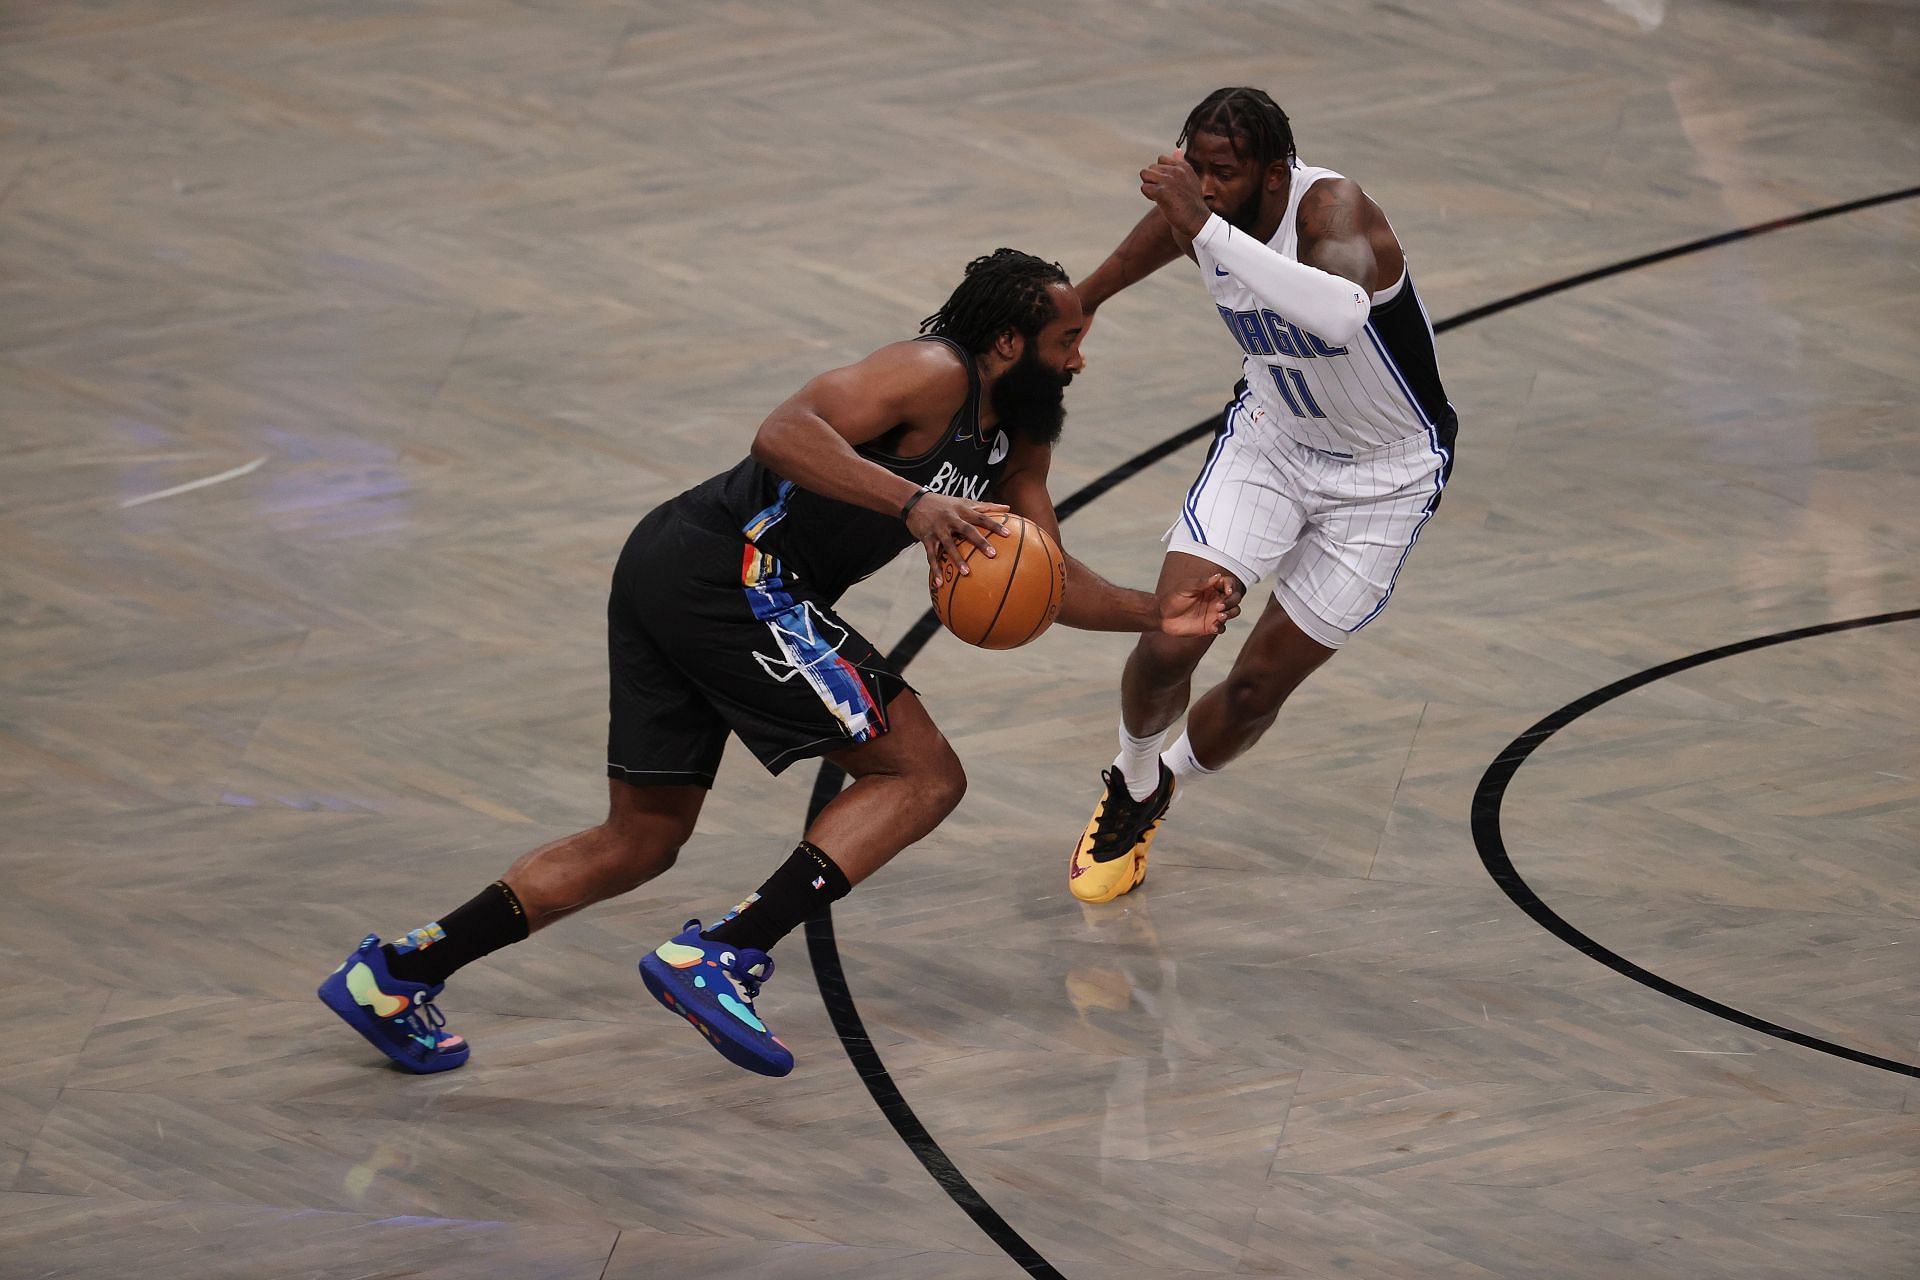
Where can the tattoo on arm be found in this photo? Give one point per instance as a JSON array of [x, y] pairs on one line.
[[1334, 232]]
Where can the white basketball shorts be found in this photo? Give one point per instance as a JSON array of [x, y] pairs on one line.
[[1331, 530]]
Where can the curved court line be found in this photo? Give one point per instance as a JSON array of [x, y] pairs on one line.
[[1493, 850], [1495, 307], [824, 952]]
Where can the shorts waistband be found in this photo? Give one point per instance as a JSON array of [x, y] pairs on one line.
[[1421, 442]]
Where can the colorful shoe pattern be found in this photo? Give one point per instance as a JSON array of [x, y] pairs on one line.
[[713, 985], [397, 1018]]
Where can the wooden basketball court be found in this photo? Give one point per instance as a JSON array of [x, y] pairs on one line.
[[340, 347]]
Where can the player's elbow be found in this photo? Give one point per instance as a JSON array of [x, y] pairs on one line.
[[773, 444], [1344, 324], [765, 448]]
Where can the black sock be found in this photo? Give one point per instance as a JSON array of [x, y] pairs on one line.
[[491, 920], [804, 886]]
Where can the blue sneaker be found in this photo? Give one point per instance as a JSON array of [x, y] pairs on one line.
[[712, 985], [397, 1018]]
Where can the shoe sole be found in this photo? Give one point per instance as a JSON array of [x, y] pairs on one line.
[[355, 1015], [672, 995]]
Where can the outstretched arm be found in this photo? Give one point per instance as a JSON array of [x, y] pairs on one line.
[[1093, 603], [1147, 248]]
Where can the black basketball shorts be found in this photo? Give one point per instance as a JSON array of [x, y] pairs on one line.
[[707, 635]]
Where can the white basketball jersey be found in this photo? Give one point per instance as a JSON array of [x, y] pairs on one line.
[[1377, 390]]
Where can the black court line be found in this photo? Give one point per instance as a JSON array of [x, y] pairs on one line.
[[1495, 307], [1493, 850], [824, 952]]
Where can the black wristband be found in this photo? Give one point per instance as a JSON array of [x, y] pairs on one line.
[[924, 491]]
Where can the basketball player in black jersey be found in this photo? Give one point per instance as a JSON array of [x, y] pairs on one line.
[[721, 621]]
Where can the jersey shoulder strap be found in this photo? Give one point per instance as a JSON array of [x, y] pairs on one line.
[[967, 419]]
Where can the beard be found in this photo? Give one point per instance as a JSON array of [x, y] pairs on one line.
[[1030, 400], [1246, 214]]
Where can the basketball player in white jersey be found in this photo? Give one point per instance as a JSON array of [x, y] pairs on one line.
[[1324, 468]]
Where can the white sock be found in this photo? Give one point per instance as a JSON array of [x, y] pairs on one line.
[[1183, 762], [1139, 762]]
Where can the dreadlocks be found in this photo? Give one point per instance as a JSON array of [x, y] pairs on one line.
[[1007, 289], [1249, 119]]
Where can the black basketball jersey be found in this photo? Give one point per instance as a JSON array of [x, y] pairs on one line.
[[830, 545]]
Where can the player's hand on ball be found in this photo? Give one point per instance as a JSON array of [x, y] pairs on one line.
[[942, 523], [1171, 183], [1204, 609]]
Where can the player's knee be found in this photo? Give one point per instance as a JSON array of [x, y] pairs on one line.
[[942, 780], [1168, 658], [1254, 696], [646, 848], [648, 856], [950, 785]]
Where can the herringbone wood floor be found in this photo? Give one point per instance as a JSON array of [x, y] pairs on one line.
[[475, 285]]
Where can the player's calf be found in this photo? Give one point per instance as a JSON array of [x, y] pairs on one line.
[[1232, 716], [905, 782], [711, 976]]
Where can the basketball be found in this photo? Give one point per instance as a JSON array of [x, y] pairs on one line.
[[1006, 600]]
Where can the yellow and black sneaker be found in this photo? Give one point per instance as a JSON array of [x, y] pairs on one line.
[[1111, 857]]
